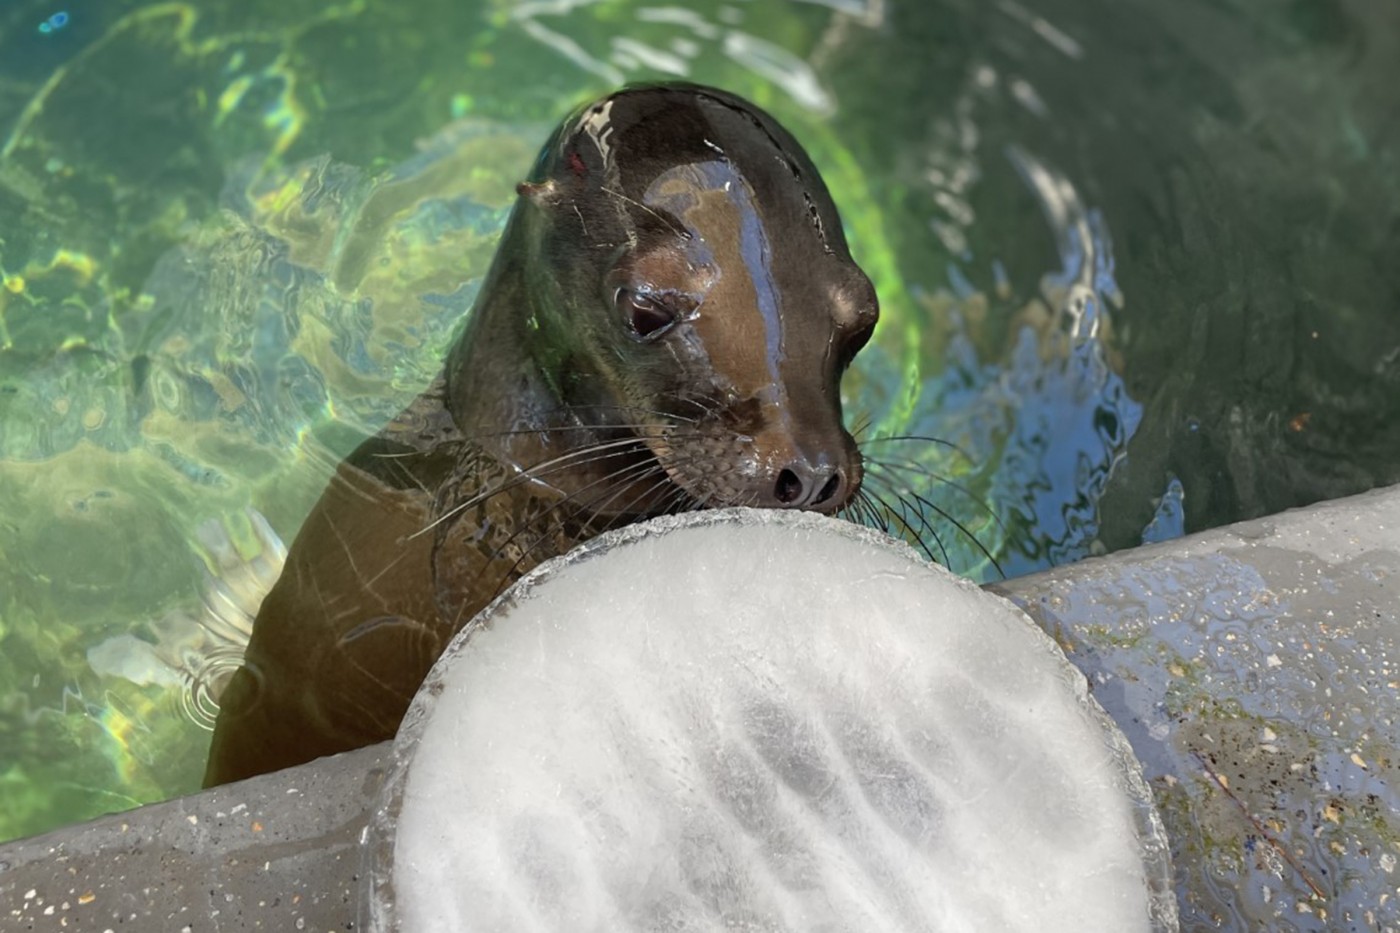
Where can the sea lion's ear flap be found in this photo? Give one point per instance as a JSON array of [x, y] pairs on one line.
[[542, 193]]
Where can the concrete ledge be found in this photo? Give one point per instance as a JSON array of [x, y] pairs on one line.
[[1255, 668], [278, 852], [1256, 671]]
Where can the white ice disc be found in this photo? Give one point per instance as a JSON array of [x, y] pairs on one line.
[[745, 720]]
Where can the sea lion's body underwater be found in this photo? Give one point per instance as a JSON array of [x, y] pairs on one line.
[[664, 328]]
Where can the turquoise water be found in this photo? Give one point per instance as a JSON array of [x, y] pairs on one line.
[[1135, 260]]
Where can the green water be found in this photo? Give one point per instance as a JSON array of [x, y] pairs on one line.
[[1135, 257]]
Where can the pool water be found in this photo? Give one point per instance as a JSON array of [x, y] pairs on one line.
[[1135, 260]]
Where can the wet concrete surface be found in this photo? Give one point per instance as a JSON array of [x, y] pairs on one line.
[[279, 852], [1256, 670]]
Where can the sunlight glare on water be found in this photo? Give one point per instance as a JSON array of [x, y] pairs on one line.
[[1133, 260]]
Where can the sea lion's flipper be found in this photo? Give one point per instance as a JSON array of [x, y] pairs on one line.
[[324, 671], [356, 696], [374, 672]]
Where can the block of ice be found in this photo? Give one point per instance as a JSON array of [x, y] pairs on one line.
[[760, 721]]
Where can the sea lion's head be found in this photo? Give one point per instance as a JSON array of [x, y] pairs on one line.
[[701, 292]]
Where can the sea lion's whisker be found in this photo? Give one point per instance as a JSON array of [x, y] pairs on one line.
[[877, 516], [869, 514], [664, 415], [556, 463], [907, 509], [903, 438], [966, 532], [708, 405], [403, 471], [575, 498], [672, 504], [679, 231], [872, 514], [947, 516], [553, 429], [679, 499], [396, 455], [853, 510], [875, 513], [537, 472], [644, 469], [659, 481], [617, 483], [847, 512], [909, 466], [904, 523]]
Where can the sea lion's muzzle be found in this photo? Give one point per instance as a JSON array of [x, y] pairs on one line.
[[799, 455], [760, 456], [774, 454], [801, 471]]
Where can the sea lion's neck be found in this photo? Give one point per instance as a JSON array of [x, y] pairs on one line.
[[521, 395], [497, 378]]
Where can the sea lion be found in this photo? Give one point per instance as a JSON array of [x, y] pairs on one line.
[[664, 327]]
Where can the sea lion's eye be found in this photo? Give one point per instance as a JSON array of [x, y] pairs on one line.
[[645, 315]]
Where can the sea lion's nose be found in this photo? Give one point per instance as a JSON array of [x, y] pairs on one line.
[[801, 485]]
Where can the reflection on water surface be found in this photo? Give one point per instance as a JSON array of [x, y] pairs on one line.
[[1134, 259]]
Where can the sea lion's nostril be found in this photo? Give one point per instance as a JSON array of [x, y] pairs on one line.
[[789, 487], [829, 489]]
